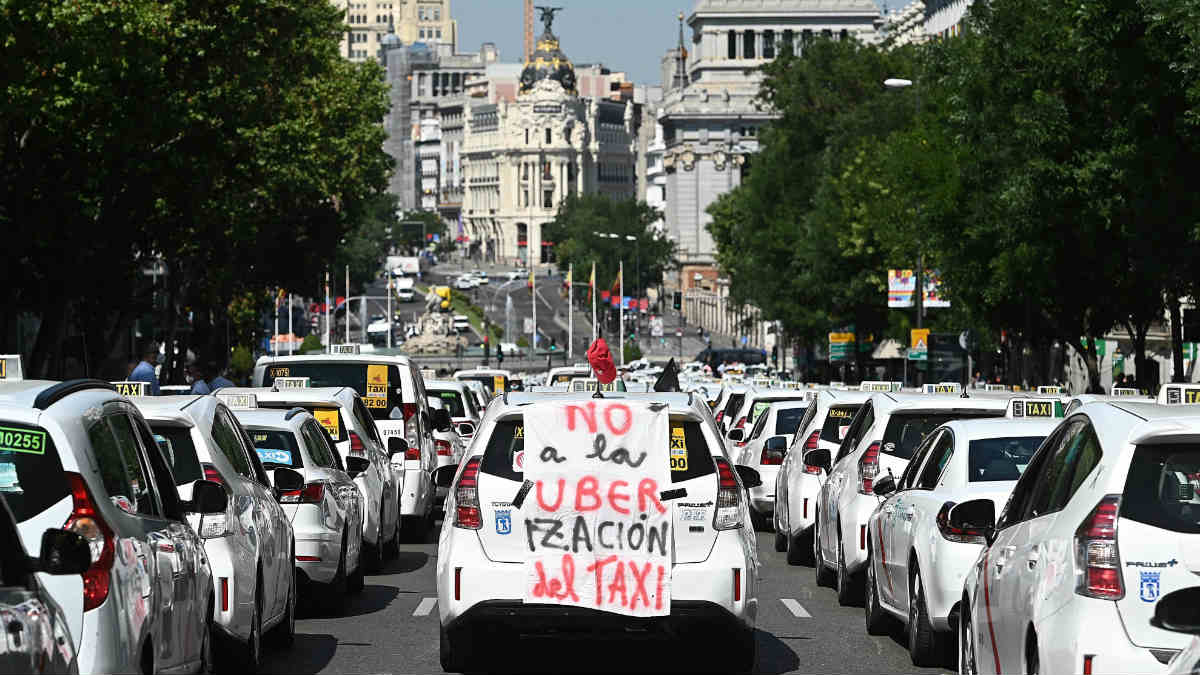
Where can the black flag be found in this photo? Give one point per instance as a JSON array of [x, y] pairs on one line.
[[669, 379]]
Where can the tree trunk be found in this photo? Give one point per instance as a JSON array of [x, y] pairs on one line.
[[1176, 338], [50, 333]]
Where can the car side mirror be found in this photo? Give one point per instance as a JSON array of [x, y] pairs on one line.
[[441, 419], [973, 518], [736, 435], [396, 446], [208, 497], [749, 475], [466, 429], [884, 486], [821, 457], [778, 443], [444, 476], [287, 480], [63, 552], [356, 466], [1178, 611]]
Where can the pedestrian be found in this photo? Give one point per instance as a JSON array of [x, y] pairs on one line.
[[219, 380], [197, 376], [144, 370]]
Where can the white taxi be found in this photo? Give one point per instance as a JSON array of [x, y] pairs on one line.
[[776, 421], [798, 483], [485, 543], [1103, 522], [915, 561], [881, 439]]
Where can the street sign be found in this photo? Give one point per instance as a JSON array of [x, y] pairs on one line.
[[839, 346], [919, 345], [528, 325], [656, 327]]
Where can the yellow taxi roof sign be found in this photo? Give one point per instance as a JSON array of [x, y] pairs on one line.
[[1034, 408], [1179, 394]]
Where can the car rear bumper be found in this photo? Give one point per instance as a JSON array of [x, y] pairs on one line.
[[802, 495], [313, 540], [762, 498], [414, 496], [853, 529], [1092, 627], [514, 615], [943, 574], [229, 581]]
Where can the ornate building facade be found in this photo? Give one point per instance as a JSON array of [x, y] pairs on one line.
[[522, 158]]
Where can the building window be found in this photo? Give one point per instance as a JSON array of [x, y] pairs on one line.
[[546, 171], [768, 51], [548, 140], [548, 199], [732, 54], [437, 13], [439, 33], [525, 197], [748, 45], [526, 137]]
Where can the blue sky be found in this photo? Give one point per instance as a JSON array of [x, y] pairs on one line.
[[629, 35]]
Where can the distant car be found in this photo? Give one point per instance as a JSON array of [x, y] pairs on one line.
[[461, 323], [406, 294], [481, 277]]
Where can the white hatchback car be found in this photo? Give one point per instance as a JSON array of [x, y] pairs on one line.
[[1103, 522], [341, 412], [460, 404], [798, 483], [915, 561], [250, 546], [882, 437], [480, 567], [79, 457], [326, 513], [765, 447]]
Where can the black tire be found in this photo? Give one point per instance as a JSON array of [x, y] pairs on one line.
[[357, 580], [800, 549], [825, 577], [781, 542], [878, 621], [924, 643], [392, 550], [849, 587], [284, 635], [1033, 659], [455, 648], [333, 596], [966, 642], [374, 552]]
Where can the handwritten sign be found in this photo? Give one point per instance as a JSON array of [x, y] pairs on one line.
[[598, 535]]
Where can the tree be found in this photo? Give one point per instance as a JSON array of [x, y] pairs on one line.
[[576, 242]]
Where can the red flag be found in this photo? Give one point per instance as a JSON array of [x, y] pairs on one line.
[[601, 361]]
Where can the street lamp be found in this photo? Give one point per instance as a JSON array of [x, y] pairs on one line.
[[897, 83]]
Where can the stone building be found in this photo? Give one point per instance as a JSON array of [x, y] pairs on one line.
[[710, 116], [369, 21], [522, 157]]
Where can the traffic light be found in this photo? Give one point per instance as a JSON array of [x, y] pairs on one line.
[[677, 300], [775, 355]]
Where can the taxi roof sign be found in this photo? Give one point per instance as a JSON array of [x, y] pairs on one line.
[[346, 349], [244, 401], [127, 388], [1125, 391], [582, 384], [1179, 394], [995, 387], [1034, 408], [1049, 389], [879, 385], [281, 383], [942, 388], [10, 367]]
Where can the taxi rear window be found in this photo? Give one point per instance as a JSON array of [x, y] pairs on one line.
[[733, 405], [906, 430], [177, 447], [276, 448], [452, 401], [31, 473], [330, 418], [379, 385], [837, 421], [1163, 487], [502, 457]]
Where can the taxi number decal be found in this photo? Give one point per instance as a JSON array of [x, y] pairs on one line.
[[22, 440], [691, 514], [844, 414], [279, 372], [260, 438], [329, 420], [374, 401], [679, 457]]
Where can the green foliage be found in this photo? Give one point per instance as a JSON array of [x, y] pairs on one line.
[[241, 363], [522, 341], [632, 351], [311, 344], [413, 224], [574, 229]]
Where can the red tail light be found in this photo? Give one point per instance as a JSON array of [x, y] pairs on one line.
[[810, 443], [741, 424], [444, 448], [409, 409], [414, 452], [1097, 559], [466, 497], [728, 514], [737, 585], [312, 493], [960, 535], [810, 469], [770, 457], [210, 473], [356, 446], [720, 414], [410, 430], [85, 520], [868, 468]]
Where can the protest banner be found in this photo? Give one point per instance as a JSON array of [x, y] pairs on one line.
[[598, 532]]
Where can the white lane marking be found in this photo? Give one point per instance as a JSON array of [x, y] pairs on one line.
[[426, 606], [796, 608]]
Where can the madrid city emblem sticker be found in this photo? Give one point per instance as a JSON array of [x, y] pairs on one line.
[[1150, 587], [503, 521]]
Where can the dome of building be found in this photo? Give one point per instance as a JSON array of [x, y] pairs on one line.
[[548, 63]]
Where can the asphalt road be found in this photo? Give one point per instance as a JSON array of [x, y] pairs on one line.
[[392, 627]]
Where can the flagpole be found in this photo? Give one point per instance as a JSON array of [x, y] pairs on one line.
[[570, 311], [347, 304], [389, 309], [290, 333], [533, 282], [328, 325], [592, 292], [621, 305], [275, 337]]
